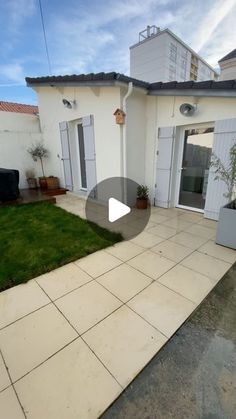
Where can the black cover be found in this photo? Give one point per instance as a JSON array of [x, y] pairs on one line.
[[9, 184]]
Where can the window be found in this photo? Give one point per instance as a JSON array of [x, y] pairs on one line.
[[183, 63], [183, 75], [172, 73], [82, 157], [173, 52]]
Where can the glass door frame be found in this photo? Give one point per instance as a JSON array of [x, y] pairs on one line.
[[180, 162]]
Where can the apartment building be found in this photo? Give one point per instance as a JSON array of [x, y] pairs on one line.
[[161, 56]]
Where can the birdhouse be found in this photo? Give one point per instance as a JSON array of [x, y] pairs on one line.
[[120, 116]]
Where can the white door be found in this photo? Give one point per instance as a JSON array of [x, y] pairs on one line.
[[164, 164], [63, 126], [224, 138], [89, 153]]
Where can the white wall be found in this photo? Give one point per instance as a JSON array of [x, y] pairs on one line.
[[17, 132], [148, 60], [136, 136], [99, 102], [228, 69]]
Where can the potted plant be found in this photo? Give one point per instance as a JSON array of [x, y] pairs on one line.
[[38, 151], [52, 182], [226, 229], [142, 197], [31, 179]]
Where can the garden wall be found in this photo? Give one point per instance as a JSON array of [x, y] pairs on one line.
[[17, 132]]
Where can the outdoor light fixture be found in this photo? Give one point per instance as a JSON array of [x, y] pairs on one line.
[[187, 109], [68, 103]]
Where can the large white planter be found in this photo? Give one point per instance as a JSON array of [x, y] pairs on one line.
[[226, 229]]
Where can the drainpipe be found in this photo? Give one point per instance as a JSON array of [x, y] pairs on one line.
[[124, 138], [124, 157]]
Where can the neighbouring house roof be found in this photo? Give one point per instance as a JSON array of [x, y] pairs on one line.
[[187, 88], [229, 56], [18, 108]]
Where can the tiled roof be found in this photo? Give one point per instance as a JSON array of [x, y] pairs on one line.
[[194, 85], [18, 107], [108, 78], [231, 54]]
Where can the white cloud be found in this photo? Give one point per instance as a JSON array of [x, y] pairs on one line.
[[98, 39], [19, 10], [13, 72], [223, 40], [210, 22]]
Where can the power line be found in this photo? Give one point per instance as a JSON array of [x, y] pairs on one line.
[[45, 38]]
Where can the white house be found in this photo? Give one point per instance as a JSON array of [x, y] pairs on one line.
[[160, 55], [19, 128], [157, 145]]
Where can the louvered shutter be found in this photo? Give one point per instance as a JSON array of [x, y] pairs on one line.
[[164, 163]]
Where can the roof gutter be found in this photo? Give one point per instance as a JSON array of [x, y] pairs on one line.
[[193, 92], [124, 105]]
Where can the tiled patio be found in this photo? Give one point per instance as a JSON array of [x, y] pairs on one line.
[[73, 339]]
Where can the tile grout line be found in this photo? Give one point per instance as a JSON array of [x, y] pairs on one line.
[[123, 304], [69, 292], [176, 263], [52, 302], [45, 360], [80, 336], [214, 257], [12, 385], [94, 353], [25, 315]]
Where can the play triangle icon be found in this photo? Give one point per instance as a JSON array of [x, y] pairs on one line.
[[116, 210]]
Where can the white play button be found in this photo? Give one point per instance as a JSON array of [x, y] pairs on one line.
[[116, 210]]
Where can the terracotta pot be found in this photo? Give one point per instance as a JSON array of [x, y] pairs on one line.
[[52, 182], [43, 183], [141, 203], [32, 183]]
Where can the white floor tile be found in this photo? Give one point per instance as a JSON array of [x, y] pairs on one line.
[[125, 343], [151, 264], [161, 307], [31, 340], [206, 265], [63, 280], [72, 384], [124, 281], [19, 301], [87, 305], [188, 283]]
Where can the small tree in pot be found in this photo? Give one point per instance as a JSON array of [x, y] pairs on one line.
[[226, 231], [38, 151], [142, 197]]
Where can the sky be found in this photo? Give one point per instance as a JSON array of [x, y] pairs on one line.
[[95, 35]]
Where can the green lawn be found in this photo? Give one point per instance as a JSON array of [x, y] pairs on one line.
[[37, 238]]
